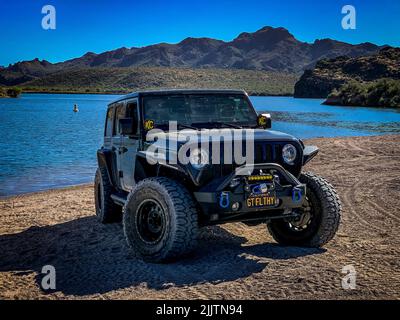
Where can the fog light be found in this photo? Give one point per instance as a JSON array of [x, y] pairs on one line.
[[235, 206]]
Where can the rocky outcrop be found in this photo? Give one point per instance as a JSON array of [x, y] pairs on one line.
[[313, 85], [331, 74]]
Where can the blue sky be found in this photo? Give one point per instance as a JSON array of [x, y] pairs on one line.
[[99, 25]]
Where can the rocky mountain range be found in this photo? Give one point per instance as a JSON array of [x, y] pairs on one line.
[[268, 49]]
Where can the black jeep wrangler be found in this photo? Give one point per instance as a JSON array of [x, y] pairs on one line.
[[167, 168]]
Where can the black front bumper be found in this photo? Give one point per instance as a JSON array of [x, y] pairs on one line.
[[221, 202]]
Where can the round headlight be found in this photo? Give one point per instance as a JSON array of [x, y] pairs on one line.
[[198, 158], [289, 153]]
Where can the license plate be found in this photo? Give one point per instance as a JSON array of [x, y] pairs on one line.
[[261, 201]]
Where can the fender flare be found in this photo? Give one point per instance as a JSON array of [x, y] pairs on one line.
[[309, 153], [104, 160]]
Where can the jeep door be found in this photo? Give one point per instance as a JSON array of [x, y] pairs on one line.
[[108, 144], [128, 146], [116, 140]]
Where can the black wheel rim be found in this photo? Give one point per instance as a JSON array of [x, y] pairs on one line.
[[150, 221], [305, 219]]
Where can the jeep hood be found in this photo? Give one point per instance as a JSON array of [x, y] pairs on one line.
[[183, 136]]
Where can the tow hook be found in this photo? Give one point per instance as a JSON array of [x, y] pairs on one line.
[[224, 200], [297, 195]]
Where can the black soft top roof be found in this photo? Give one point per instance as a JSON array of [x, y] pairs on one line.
[[177, 91]]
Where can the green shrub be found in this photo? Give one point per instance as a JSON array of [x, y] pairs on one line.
[[380, 93], [13, 92]]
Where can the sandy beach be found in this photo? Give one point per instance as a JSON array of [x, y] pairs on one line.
[[234, 261]]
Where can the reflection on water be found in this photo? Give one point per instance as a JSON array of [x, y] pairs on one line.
[[45, 144], [325, 119]]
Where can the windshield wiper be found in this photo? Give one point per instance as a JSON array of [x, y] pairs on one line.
[[236, 126], [187, 126]]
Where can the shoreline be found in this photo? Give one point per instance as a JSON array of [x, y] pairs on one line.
[[127, 92], [50, 190], [90, 183], [69, 92]]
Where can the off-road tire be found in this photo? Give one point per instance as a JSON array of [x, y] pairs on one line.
[[181, 220], [326, 221], [106, 210]]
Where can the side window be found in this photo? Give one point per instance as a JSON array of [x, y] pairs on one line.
[[132, 112], [119, 114], [109, 122]]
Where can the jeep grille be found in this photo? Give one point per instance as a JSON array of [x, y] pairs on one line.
[[263, 152]]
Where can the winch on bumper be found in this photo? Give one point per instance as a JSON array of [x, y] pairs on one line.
[[252, 192]]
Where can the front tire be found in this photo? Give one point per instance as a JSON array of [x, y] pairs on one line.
[[160, 220], [319, 220]]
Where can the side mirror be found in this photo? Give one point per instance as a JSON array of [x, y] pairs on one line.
[[264, 120], [127, 127]]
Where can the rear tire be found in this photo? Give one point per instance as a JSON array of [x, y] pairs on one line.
[[324, 211], [106, 210], [160, 220]]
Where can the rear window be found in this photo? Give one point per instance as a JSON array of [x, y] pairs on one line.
[[119, 114]]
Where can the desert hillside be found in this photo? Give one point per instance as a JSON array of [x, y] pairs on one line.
[[122, 80]]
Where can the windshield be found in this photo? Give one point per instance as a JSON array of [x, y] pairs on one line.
[[200, 110]]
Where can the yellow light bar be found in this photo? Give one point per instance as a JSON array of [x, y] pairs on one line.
[[260, 178]]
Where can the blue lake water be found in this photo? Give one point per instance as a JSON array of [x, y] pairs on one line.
[[45, 145]]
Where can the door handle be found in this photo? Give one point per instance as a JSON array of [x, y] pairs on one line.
[[122, 150]]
